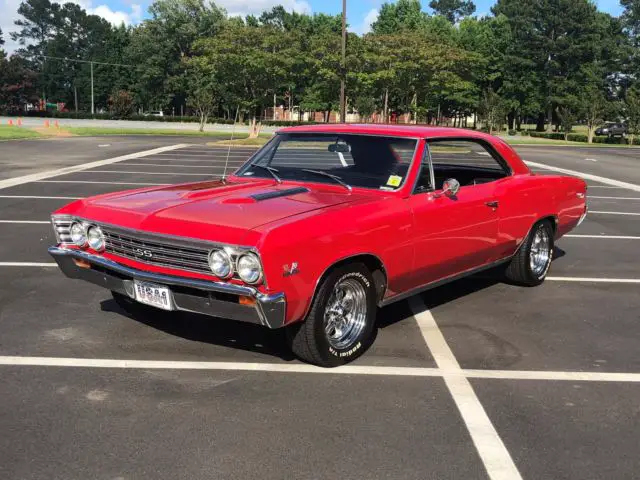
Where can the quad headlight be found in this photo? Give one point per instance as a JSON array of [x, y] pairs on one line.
[[95, 238], [220, 264], [249, 268], [78, 234]]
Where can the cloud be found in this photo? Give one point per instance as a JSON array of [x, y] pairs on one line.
[[113, 17], [365, 26], [256, 7]]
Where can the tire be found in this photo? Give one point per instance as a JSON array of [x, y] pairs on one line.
[[330, 337], [523, 269]]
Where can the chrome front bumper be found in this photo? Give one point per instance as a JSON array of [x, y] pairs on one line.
[[207, 297]]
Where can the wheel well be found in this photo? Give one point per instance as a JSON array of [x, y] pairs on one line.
[[553, 220], [373, 264]]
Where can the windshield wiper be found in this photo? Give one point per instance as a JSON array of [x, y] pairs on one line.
[[325, 174], [271, 170]]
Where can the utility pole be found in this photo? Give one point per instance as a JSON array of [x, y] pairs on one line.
[[343, 64], [90, 62], [92, 103]]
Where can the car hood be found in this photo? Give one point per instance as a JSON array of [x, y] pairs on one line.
[[212, 210]]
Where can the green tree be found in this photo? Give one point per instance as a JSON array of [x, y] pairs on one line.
[[632, 111], [453, 10], [399, 16], [493, 110]]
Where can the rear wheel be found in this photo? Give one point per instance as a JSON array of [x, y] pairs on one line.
[[530, 264], [339, 327]]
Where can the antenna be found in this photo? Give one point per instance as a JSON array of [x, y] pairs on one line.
[[226, 162]]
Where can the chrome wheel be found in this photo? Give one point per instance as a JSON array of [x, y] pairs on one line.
[[346, 313], [540, 253]]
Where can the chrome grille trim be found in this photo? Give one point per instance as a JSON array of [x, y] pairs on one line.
[[62, 228], [156, 251]]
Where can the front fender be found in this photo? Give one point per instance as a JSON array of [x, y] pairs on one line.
[[316, 243]]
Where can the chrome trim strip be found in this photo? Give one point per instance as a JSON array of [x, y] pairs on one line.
[[442, 281], [270, 308]]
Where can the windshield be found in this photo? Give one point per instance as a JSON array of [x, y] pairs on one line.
[[340, 159]]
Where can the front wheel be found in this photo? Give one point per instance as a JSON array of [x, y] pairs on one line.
[[530, 264], [340, 324]]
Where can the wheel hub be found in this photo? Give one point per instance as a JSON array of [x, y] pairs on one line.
[[540, 254], [346, 313]]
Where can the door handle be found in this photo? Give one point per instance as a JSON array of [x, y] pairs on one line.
[[492, 204]]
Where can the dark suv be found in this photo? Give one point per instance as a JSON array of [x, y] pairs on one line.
[[612, 130]]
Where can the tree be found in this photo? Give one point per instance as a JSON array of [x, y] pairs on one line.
[[592, 106], [567, 116], [453, 10], [201, 88], [632, 111], [120, 104], [492, 110], [396, 17]]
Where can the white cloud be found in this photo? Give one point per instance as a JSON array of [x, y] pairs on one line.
[[115, 18], [365, 26], [256, 7]]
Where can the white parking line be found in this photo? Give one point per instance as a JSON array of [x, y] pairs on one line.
[[107, 183], [615, 198], [612, 213], [302, 368], [165, 165], [605, 237], [587, 176], [38, 197], [12, 182], [27, 264], [491, 449], [144, 173], [24, 221], [605, 186], [593, 280]]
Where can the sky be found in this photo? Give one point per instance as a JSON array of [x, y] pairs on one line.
[[360, 13]]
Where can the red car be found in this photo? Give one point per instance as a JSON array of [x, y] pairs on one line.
[[322, 226]]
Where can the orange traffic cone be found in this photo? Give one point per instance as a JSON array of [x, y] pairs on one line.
[[19, 122], [46, 124], [57, 125], [10, 122]]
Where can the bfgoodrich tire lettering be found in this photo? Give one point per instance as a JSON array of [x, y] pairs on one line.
[[340, 323], [530, 264]]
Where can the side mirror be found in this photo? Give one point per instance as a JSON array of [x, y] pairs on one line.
[[450, 187], [339, 148]]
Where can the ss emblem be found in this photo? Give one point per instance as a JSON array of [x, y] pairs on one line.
[[143, 253]]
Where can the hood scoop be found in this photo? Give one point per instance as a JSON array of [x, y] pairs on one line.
[[259, 197]]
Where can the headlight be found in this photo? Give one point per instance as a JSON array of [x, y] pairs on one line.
[[78, 235], [249, 268], [220, 264], [95, 238]]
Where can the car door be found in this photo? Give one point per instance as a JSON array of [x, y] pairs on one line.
[[454, 234]]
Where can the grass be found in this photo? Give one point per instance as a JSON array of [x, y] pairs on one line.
[[97, 131], [15, 133]]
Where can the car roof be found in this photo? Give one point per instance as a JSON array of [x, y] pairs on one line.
[[411, 131]]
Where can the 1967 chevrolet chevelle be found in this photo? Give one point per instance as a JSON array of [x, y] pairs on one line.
[[322, 226]]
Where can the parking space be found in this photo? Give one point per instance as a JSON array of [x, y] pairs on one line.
[[406, 409]]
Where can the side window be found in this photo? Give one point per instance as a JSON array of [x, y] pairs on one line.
[[468, 161]]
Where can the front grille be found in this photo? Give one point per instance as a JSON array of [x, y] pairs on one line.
[[157, 251]]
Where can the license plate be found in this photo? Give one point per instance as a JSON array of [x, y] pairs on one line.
[[154, 295]]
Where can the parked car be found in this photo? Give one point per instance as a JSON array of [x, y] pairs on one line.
[[322, 226], [612, 130], [156, 113]]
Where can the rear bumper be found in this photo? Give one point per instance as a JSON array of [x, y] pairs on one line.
[[209, 298]]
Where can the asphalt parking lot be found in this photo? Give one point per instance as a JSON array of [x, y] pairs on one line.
[[476, 379]]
